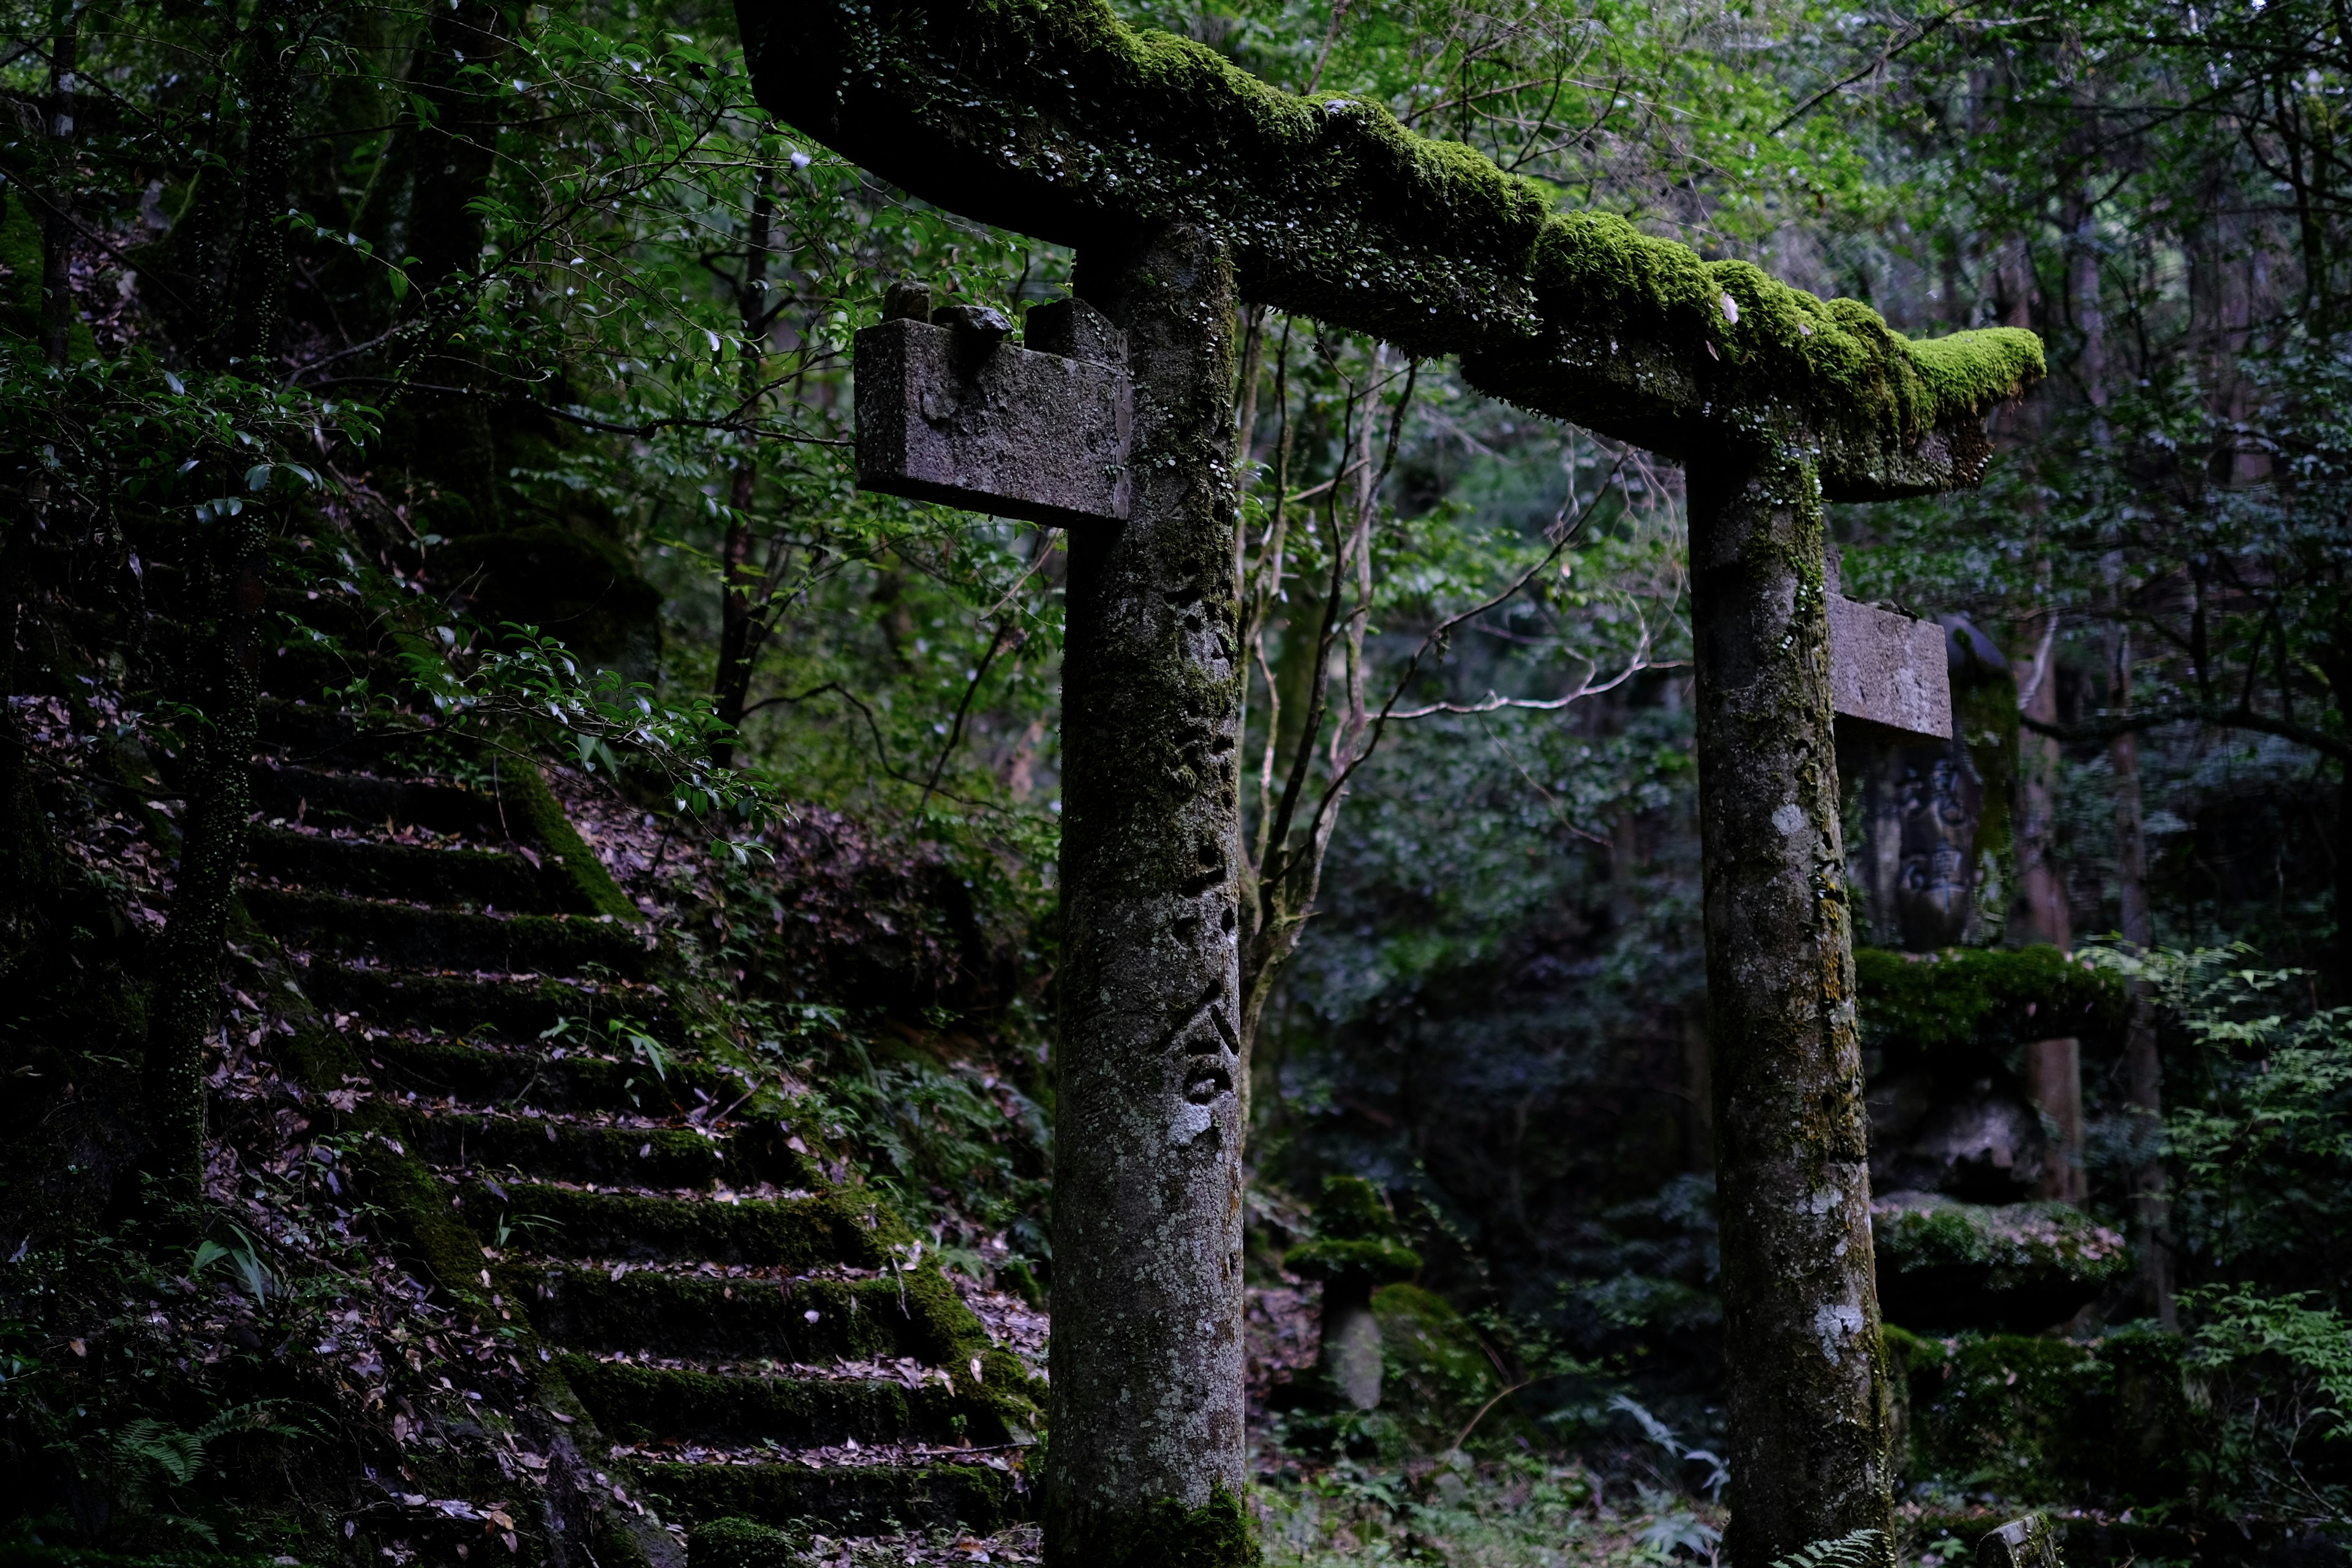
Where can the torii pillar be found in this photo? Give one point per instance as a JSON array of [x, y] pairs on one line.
[[1163, 165]]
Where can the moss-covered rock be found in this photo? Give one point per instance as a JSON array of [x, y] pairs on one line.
[[857, 1500], [1438, 1372], [743, 1544], [1944, 1264], [1965, 1005]]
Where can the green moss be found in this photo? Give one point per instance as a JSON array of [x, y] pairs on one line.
[[1436, 1371], [20, 292], [1353, 1210], [1167, 1534], [1943, 1263], [792, 1233], [404, 934], [639, 1403], [1381, 1262], [742, 1543], [1056, 119], [854, 1501], [526, 794], [1966, 1000]]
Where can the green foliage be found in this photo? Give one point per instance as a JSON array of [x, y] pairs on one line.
[[2259, 1124], [2314, 1345]]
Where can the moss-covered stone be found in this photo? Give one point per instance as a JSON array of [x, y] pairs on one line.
[[1058, 120], [1382, 1262], [742, 1543], [639, 1403], [519, 1009], [526, 794], [585, 1152], [1437, 1374], [428, 938], [854, 1501], [1944, 1264], [792, 1233], [1356, 1238], [1967, 1003], [480, 878]]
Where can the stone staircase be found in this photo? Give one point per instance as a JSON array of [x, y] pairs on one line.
[[746, 1338]]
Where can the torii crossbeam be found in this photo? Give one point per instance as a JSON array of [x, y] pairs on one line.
[[1183, 182]]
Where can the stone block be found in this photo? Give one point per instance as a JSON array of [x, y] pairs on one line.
[[1889, 671], [950, 410], [2027, 1542]]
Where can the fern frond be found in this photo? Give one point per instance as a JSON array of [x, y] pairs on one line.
[[1860, 1549]]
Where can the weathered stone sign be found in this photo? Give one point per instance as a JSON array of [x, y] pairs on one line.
[[950, 410], [1184, 184], [1888, 670]]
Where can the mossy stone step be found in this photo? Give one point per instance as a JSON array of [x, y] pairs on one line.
[[482, 1075], [368, 800], [700, 1317], [402, 935], [315, 731], [638, 1403], [785, 1232], [861, 1500], [487, 877], [590, 1152], [517, 1009]]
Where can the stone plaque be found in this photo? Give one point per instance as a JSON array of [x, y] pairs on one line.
[[952, 410]]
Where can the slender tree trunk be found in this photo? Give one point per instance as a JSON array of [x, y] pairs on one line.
[[1148, 1455], [2053, 1068], [225, 669], [1809, 1401], [261, 242], [453, 147], [212, 849], [57, 220], [737, 611], [2143, 1067], [2042, 878]]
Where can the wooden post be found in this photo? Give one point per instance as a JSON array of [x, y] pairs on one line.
[[1809, 1399], [1147, 1406]]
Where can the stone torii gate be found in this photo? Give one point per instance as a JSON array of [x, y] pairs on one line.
[[1184, 183]]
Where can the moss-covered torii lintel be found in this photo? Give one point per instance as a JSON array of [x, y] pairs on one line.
[[1054, 119]]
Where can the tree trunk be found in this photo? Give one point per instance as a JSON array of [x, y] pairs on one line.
[[454, 145], [2143, 1067], [261, 230], [56, 219], [738, 613], [225, 672], [1809, 1402], [2041, 879], [1148, 1452], [212, 849]]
